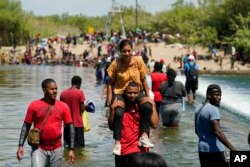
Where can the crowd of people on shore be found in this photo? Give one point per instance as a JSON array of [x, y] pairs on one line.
[[138, 93]]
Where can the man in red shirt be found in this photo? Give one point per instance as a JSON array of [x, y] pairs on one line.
[[74, 98], [131, 124], [50, 150]]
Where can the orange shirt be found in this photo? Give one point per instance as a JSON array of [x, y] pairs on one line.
[[120, 76]]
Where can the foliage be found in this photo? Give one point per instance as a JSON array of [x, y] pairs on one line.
[[213, 22], [11, 21]]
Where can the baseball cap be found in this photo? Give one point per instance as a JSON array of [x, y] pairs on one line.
[[213, 88], [191, 57], [90, 106]]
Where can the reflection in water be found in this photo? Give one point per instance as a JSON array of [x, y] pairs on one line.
[[19, 85]]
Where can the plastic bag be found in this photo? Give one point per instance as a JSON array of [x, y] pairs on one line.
[[86, 123]]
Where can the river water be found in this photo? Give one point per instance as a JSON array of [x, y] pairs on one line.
[[21, 84]]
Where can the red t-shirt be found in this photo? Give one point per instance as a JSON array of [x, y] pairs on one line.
[[52, 131], [157, 79], [74, 98], [131, 133]]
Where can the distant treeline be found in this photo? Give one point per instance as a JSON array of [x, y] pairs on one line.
[[213, 23]]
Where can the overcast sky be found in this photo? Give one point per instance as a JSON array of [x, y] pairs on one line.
[[90, 7]]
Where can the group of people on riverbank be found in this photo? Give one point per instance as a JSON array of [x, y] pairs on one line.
[[132, 113]]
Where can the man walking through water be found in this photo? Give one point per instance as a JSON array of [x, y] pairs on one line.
[[49, 152], [207, 127], [74, 97], [191, 72]]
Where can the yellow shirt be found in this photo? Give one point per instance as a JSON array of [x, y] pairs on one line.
[[120, 76]]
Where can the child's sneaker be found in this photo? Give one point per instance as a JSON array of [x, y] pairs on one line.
[[117, 149], [145, 142]]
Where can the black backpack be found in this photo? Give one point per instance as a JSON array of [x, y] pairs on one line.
[[193, 73]]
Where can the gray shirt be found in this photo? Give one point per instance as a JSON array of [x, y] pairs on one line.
[[172, 94], [208, 142]]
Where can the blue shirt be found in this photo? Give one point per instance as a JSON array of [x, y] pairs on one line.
[[208, 142], [187, 67]]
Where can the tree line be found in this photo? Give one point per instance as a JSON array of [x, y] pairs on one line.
[[210, 23]]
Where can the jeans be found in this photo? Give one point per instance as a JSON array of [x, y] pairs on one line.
[[144, 109], [43, 158]]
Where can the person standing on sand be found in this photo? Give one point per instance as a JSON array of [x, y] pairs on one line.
[[207, 127], [191, 73], [50, 150], [74, 98]]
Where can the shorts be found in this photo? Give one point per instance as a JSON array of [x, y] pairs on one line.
[[190, 85], [171, 113]]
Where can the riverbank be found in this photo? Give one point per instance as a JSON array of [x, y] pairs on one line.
[[169, 53]]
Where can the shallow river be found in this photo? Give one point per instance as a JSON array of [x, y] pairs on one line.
[[19, 85]]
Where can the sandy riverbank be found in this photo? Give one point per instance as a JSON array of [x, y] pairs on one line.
[[167, 52]]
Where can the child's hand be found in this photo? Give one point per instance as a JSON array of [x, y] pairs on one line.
[[117, 103], [147, 100]]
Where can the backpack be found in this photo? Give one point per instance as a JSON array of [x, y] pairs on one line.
[[193, 73]]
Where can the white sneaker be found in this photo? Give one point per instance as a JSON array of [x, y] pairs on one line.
[[145, 142], [117, 149]]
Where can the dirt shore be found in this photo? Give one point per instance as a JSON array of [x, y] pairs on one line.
[[167, 53]]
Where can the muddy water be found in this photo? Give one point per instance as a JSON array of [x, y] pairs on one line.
[[21, 84]]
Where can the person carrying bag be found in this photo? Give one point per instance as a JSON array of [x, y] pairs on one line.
[[34, 134]]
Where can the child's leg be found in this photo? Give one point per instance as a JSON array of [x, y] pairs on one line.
[[146, 111], [118, 115], [117, 123]]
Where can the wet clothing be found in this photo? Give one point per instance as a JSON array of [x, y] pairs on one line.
[[171, 114], [208, 142], [190, 85], [171, 108], [51, 133], [131, 132], [157, 79], [211, 150], [129, 138], [74, 98], [172, 94], [43, 158]]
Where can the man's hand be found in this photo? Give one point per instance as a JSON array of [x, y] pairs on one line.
[[71, 157], [20, 153]]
